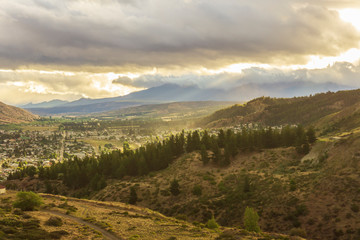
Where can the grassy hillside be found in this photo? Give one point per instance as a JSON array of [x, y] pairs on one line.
[[316, 195], [10, 114], [315, 110], [86, 219]]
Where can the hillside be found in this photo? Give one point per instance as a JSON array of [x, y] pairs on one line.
[[317, 193], [174, 110], [85, 219], [314, 195], [10, 114], [323, 110]]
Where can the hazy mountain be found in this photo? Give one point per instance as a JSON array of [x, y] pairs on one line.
[[10, 114], [84, 109], [175, 93], [52, 103]]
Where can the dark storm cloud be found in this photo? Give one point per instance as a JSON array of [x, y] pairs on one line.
[[160, 33]]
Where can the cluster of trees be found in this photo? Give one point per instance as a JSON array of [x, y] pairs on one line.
[[92, 172], [250, 140]]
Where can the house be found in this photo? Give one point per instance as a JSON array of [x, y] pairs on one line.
[[2, 189]]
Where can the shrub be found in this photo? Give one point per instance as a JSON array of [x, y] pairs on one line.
[[58, 234], [197, 190], [174, 187], [133, 196], [212, 224], [251, 219], [298, 232], [355, 208], [27, 201], [54, 221]]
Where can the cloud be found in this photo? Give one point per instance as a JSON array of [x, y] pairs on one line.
[[341, 73], [158, 33], [35, 86]]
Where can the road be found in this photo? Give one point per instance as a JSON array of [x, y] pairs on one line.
[[106, 234]]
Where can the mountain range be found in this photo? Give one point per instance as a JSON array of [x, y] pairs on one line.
[[175, 93]]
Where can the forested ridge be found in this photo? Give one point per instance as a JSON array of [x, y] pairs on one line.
[[91, 172], [278, 111]]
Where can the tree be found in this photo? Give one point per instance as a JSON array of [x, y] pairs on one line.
[[246, 184], [204, 155], [251, 219], [310, 133], [212, 224], [175, 187], [133, 196], [27, 201], [226, 160], [196, 140], [217, 154]]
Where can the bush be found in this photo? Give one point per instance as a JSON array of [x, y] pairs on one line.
[[251, 219], [133, 196], [58, 234], [298, 232], [212, 224], [355, 208], [197, 190], [27, 201], [174, 187], [54, 221]]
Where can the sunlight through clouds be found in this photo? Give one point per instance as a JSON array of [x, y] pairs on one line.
[[352, 16]]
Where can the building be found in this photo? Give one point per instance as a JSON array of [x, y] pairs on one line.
[[2, 189]]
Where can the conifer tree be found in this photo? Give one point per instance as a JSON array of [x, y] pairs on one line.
[[251, 219], [133, 196], [204, 155], [175, 187]]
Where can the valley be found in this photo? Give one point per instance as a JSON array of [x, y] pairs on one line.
[[302, 180]]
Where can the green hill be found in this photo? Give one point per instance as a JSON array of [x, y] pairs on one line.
[[325, 110]]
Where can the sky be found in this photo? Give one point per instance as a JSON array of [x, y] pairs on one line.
[[103, 48]]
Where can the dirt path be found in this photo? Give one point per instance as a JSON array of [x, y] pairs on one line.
[[105, 234], [108, 206]]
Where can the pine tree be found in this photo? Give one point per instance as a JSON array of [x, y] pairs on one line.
[[217, 154], [196, 140], [310, 133], [189, 145], [133, 196], [251, 219], [221, 138], [175, 187], [204, 155], [226, 160], [205, 140], [246, 184]]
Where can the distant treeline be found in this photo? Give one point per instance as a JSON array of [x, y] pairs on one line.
[[218, 149]]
